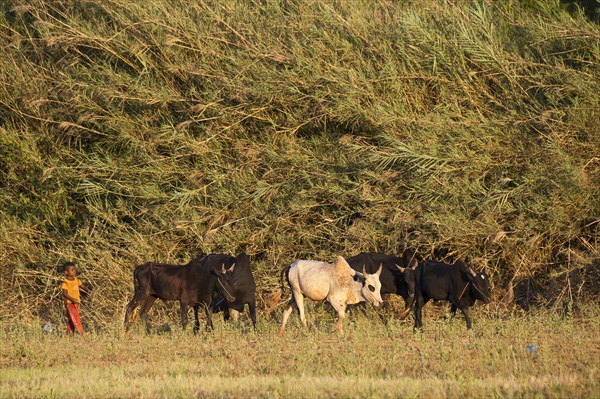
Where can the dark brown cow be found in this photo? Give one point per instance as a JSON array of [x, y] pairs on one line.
[[192, 285]]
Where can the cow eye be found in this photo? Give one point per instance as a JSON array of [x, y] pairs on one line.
[[371, 288]]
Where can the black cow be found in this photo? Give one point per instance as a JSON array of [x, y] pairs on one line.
[[192, 285], [456, 283], [397, 275], [244, 290]]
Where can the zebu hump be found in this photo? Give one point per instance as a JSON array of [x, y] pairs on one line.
[[342, 272]]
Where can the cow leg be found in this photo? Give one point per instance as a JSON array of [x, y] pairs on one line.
[[340, 308], [299, 299], [196, 320], [226, 314], [208, 313], [286, 314], [148, 302], [183, 311], [420, 301], [465, 311], [252, 310], [453, 310], [457, 303]]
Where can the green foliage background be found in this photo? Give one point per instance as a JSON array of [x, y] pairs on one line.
[[133, 131]]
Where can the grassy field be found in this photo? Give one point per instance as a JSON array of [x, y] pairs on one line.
[[376, 358]]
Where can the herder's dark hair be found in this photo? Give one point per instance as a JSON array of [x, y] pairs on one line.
[[67, 264]]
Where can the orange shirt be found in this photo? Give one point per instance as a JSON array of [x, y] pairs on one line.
[[72, 287]]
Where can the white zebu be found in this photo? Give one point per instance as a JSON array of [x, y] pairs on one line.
[[332, 281]]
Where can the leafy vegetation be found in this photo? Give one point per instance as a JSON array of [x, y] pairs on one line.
[[154, 130]]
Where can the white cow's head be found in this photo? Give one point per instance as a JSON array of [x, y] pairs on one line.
[[371, 289]]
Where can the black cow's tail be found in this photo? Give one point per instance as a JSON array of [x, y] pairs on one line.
[[274, 298]]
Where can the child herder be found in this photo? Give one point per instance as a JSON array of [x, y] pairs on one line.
[[71, 287]]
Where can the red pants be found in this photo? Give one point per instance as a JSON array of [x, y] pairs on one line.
[[73, 320]]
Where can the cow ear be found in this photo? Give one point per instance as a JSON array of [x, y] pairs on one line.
[[469, 274], [358, 276], [413, 263], [409, 257]]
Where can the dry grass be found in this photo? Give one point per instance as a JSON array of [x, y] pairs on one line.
[[152, 131], [375, 359]]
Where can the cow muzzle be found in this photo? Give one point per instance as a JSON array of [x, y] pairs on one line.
[[373, 300], [228, 296], [485, 297]]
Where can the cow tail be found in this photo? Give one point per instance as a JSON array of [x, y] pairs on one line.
[[274, 298], [283, 272], [136, 280], [138, 288]]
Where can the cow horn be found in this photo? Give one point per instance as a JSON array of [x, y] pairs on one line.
[[378, 272], [472, 272], [402, 269], [404, 313], [231, 268], [364, 272], [223, 268]]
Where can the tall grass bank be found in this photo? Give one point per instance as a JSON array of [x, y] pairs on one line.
[[156, 130]]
